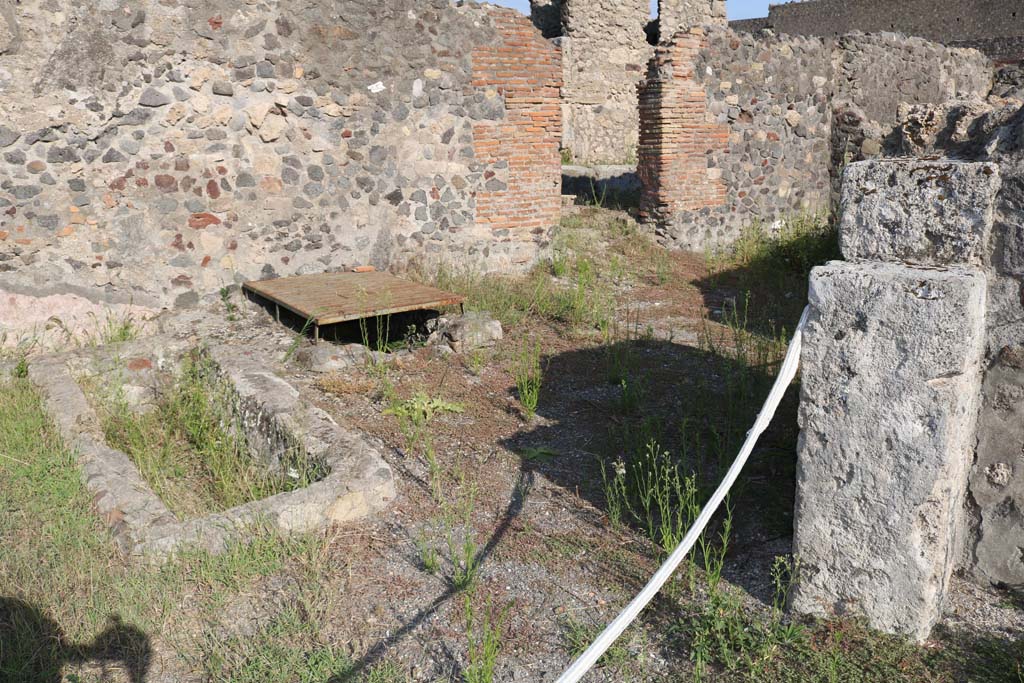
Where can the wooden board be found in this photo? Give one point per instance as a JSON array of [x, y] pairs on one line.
[[328, 298]]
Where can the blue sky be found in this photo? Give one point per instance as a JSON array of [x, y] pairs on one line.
[[738, 9]]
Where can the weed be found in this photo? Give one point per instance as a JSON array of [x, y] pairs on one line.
[[477, 362], [567, 156], [619, 348], [527, 373], [577, 637], [464, 559], [428, 555], [584, 301], [189, 449], [297, 339], [112, 329], [20, 370], [654, 494], [230, 307], [631, 397], [483, 635], [414, 416], [463, 556], [596, 198], [559, 263], [538, 454]]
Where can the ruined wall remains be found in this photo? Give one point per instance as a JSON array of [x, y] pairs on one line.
[[891, 366], [738, 128], [604, 48], [991, 132], [155, 152], [996, 28], [681, 15]]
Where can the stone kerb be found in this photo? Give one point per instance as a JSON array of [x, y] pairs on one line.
[[892, 362], [358, 481]]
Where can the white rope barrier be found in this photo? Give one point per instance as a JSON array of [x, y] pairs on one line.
[[786, 374]]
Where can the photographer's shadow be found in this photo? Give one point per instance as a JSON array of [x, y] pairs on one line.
[[33, 647]]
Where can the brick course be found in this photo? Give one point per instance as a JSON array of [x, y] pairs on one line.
[[524, 195]]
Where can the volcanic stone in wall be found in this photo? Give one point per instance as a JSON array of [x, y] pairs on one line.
[[154, 152], [924, 212]]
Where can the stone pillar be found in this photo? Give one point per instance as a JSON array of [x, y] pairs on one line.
[[604, 51], [891, 387], [678, 15]]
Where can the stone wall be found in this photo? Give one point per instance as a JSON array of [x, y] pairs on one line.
[[990, 25], [891, 382], [604, 49], [738, 128], [992, 132], [155, 152], [681, 15]]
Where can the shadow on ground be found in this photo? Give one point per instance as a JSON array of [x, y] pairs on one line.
[[33, 647], [606, 403], [520, 493]]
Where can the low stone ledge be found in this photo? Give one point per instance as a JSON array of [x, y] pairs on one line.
[[926, 212], [273, 414], [891, 369]]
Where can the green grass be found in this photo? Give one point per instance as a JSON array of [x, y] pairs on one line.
[[68, 596], [288, 648], [483, 634], [188, 447], [464, 556], [577, 637], [528, 375]]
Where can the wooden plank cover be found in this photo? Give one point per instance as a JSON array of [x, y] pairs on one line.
[[327, 298]]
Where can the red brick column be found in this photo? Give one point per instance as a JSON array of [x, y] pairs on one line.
[[526, 70], [678, 134]]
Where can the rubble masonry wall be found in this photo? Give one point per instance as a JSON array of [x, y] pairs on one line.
[[996, 28], [605, 51], [155, 152], [738, 128]]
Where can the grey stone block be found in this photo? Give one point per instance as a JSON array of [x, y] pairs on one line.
[[997, 484], [891, 378], [916, 211]]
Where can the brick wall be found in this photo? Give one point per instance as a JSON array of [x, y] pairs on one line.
[[677, 135], [523, 192]]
